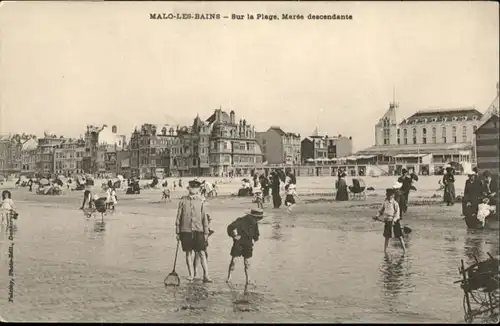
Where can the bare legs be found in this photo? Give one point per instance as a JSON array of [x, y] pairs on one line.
[[230, 270], [189, 264], [401, 241], [202, 257], [246, 263]]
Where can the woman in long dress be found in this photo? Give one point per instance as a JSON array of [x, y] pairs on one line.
[[342, 192], [275, 188], [449, 187]]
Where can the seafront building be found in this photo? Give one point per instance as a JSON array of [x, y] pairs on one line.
[[68, 157], [153, 150], [426, 141], [233, 147], [279, 147], [221, 145], [28, 157], [324, 148], [45, 154], [101, 146]]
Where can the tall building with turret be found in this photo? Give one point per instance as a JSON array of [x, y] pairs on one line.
[[427, 140], [233, 146]]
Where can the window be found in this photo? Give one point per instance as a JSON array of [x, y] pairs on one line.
[[433, 135], [454, 134], [405, 135], [443, 135], [424, 136], [474, 128], [464, 134], [414, 135]]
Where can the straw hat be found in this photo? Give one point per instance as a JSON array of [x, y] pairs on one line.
[[256, 212]]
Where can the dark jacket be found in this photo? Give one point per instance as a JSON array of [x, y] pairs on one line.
[[488, 189], [407, 182], [472, 190], [448, 178], [247, 227]]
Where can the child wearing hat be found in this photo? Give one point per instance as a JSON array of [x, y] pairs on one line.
[[389, 211], [245, 232], [259, 198]]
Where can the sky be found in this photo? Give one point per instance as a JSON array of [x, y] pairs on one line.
[[64, 65]]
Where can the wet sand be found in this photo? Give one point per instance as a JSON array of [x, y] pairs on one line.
[[323, 262]]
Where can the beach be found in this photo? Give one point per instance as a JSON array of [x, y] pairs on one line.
[[323, 262]]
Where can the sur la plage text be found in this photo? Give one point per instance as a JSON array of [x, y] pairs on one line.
[[248, 16]]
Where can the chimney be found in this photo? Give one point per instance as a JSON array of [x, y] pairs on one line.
[[232, 117], [114, 129], [217, 115]]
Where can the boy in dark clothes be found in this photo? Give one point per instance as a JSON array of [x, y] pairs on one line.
[[398, 197], [244, 231], [407, 184]]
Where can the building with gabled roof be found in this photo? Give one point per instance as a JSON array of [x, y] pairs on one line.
[[233, 147], [278, 146]]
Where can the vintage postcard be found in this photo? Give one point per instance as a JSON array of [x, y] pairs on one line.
[[238, 162]]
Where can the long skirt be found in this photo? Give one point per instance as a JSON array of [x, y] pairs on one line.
[[342, 194], [449, 193], [276, 200]]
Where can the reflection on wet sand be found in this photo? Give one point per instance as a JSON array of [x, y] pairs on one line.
[[395, 278], [99, 226], [245, 301], [473, 247], [196, 297]]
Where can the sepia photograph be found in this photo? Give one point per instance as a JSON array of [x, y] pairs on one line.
[[249, 162]]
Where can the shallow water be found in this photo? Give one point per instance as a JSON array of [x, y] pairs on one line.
[[321, 263]]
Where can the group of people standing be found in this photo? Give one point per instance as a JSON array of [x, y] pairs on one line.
[[271, 187], [479, 189], [192, 228]]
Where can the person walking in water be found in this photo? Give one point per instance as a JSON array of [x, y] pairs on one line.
[[245, 232], [192, 229], [87, 197], [389, 211]]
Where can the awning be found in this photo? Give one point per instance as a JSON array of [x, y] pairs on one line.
[[410, 155], [365, 156]]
